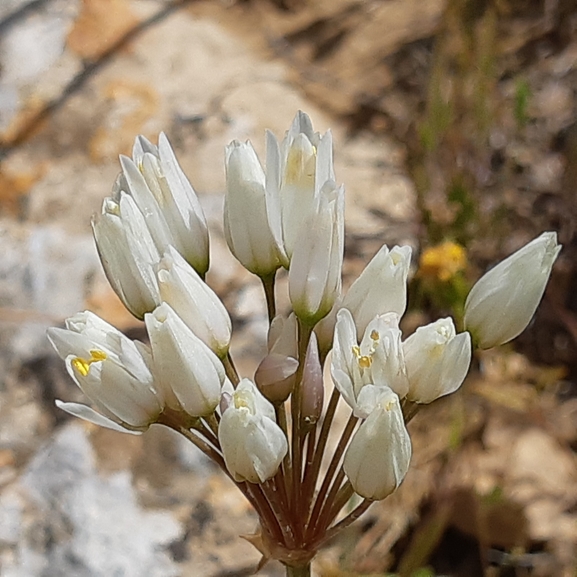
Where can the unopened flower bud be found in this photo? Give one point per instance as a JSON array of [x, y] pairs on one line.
[[275, 377], [378, 456], [504, 300], [296, 170], [315, 269], [189, 373], [381, 287], [253, 445], [128, 254], [283, 336], [312, 384], [437, 360], [163, 193], [194, 301], [246, 227]]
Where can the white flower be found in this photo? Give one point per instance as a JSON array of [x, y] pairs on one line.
[[252, 444], [165, 196], [315, 269], [504, 300], [190, 375], [378, 456], [112, 371], [296, 171], [246, 227], [378, 360], [381, 287], [128, 254], [437, 360], [194, 301]]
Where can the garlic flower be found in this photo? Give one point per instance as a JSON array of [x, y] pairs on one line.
[[378, 456], [437, 360], [113, 371], [378, 360], [504, 300], [253, 445]]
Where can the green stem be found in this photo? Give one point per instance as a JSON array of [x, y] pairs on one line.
[[206, 448], [280, 411], [271, 492], [297, 432], [342, 497], [348, 431], [304, 571], [212, 423], [253, 493], [312, 470], [348, 520], [324, 518], [409, 410], [230, 370], [268, 285], [263, 508]]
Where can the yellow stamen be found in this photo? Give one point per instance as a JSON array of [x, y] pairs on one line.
[[83, 365], [365, 361]]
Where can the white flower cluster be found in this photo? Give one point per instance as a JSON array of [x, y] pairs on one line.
[[152, 238]]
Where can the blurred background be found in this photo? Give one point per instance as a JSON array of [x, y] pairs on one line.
[[455, 131]]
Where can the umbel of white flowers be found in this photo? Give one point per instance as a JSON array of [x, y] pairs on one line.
[[153, 241]]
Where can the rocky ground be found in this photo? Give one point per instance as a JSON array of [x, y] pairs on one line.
[[493, 488]]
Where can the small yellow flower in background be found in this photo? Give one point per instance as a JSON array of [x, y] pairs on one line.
[[443, 261]]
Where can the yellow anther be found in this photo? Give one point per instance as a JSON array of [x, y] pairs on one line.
[[375, 336], [365, 361], [98, 355], [83, 365]]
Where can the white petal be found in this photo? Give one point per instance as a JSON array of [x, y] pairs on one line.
[[88, 414]]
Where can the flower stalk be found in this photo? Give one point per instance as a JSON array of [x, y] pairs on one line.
[[302, 571]]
